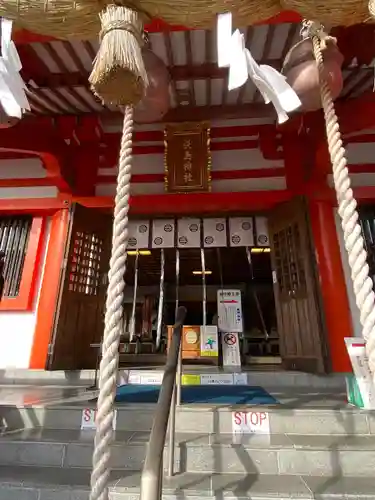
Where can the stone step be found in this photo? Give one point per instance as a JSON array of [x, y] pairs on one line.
[[35, 483], [82, 378], [279, 454], [284, 418]]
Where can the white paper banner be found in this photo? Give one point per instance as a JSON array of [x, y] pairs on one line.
[[139, 231], [229, 308], [189, 233], [241, 232], [261, 229], [163, 232], [214, 232]]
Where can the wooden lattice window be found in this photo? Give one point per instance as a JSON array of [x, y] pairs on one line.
[[14, 239], [85, 266], [288, 258]]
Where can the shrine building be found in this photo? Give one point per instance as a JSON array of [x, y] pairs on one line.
[[224, 202]]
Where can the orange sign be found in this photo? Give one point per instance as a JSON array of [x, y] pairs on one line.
[[187, 158]]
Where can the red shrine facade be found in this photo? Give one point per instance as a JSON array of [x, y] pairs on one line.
[[58, 181]]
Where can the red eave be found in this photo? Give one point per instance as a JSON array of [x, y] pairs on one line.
[[157, 25]]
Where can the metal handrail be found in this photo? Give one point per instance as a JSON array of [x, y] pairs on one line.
[[152, 473]]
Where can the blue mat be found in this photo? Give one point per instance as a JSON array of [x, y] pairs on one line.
[[203, 394]]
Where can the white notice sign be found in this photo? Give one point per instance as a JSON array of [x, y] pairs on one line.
[[89, 418], [250, 422], [229, 311], [217, 379], [208, 335], [357, 354], [231, 349]]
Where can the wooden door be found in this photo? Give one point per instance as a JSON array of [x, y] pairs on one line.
[[302, 337], [79, 320]]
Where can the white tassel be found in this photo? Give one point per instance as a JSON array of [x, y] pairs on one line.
[[12, 88], [271, 84]]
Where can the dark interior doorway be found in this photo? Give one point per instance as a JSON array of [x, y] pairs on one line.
[[225, 268]]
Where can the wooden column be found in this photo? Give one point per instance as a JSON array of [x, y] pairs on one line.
[[332, 282]]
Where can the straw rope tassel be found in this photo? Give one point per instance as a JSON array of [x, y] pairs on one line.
[[362, 283], [113, 319], [371, 8]]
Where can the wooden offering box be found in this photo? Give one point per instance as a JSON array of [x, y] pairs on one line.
[[191, 345], [191, 341]]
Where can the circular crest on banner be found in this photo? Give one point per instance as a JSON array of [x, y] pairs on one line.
[[262, 239], [230, 339], [246, 226], [132, 242], [182, 240], [168, 228], [158, 241], [193, 228], [236, 239], [191, 337], [142, 228], [208, 240]]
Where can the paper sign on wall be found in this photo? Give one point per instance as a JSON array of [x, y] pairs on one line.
[[357, 354], [231, 349], [250, 422], [209, 341], [88, 421], [229, 310]]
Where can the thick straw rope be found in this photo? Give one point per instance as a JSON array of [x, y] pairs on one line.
[[119, 75], [113, 319], [347, 205]]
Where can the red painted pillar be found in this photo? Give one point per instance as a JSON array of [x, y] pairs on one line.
[[332, 282], [49, 289]]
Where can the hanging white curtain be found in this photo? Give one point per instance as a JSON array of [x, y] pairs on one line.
[[261, 229], [163, 233], [139, 233], [214, 232], [241, 232], [189, 233]]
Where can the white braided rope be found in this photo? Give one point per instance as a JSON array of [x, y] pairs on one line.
[[347, 208], [113, 319]]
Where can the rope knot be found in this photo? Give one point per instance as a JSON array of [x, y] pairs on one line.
[[122, 25], [311, 29]]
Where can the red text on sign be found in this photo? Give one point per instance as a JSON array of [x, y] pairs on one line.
[[255, 418]]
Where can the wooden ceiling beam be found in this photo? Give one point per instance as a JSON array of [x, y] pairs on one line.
[[201, 113], [79, 78], [207, 71]]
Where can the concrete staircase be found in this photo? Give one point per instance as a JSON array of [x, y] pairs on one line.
[[324, 451]]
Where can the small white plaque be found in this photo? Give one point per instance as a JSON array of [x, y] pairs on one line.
[[151, 378], [217, 379]]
